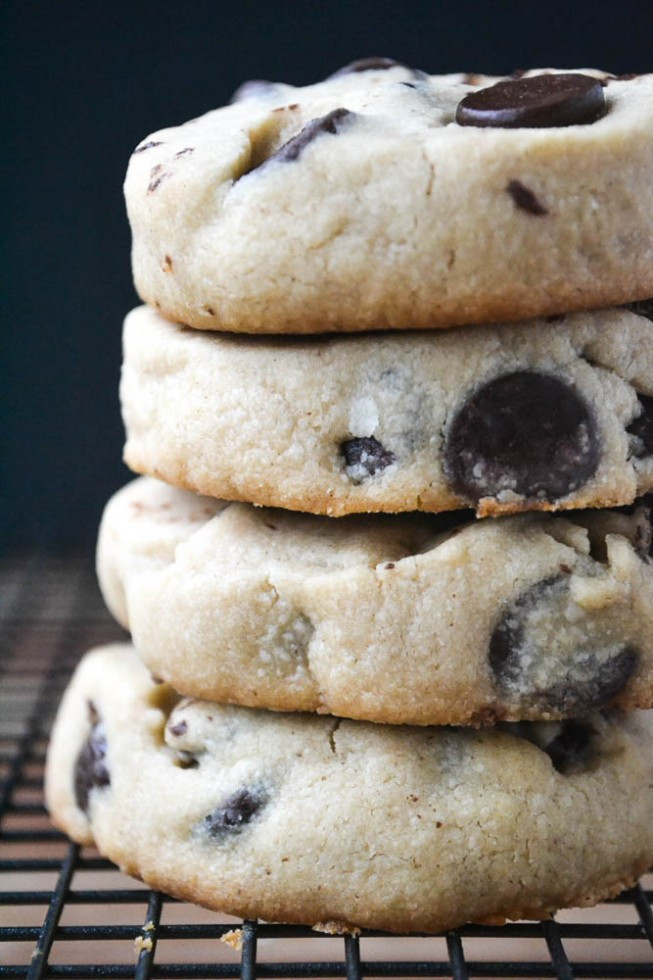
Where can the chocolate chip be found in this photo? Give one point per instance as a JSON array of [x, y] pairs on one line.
[[524, 198], [324, 124], [538, 101], [367, 64], [256, 88], [184, 152], [90, 768], [179, 728], [525, 432], [642, 428], [570, 750], [643, 308], [541, 659], [364, 457], [236, 811], [147, 146]]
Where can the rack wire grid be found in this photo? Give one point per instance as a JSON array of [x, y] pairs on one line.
[[67, 912]]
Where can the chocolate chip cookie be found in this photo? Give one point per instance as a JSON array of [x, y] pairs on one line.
[[298, 818], [537, 416], [417, 620], [387, 198]]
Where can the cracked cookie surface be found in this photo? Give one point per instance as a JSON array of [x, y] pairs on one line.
[[505, 418], [362, 203], [404, 619], [303, 819]]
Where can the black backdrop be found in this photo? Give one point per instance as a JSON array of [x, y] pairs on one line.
[[84, 83]]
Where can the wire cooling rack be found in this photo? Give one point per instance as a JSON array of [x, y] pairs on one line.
[[66, 912]]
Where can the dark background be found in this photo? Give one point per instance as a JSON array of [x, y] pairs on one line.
[[87, 81]]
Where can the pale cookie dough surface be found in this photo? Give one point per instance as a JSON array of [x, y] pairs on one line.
[[394, 217], [505, 418], [389, 619], [303, 819]]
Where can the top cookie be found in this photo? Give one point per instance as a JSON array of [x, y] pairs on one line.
[[387, 198]]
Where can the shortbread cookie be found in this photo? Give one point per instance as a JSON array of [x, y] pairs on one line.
[[316, 820], [389, 619], [385, 198], [536, 416]]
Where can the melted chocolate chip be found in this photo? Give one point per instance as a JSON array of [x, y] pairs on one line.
[[571, 749], [524, 198], [364, 457], [367, 64], [256, 88], [527, 433], [538, 101], [643, 308], [234, 813], [90, 768], [324, 124], [571, 680], [642, 428]]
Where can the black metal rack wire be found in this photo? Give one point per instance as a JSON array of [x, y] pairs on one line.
[[66, 912]]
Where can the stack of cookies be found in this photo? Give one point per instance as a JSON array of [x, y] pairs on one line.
[[390, 587]]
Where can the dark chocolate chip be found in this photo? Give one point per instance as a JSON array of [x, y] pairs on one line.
[[643, 308], [90, 767], [179, 728], [524, 198], [642, 428], [324, 124], [570, 750], [605, 681], [538, 101], [367, 64], [364, 457], [236, 811], [256, 88], [147, 146], [589, 679], [525, 432]]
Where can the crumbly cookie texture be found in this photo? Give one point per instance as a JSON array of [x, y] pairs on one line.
[[298, 818], [416, 620], [506, 418], [361, 203]]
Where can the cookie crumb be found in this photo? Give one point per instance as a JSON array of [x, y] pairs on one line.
[[143, 943], [233, 938]]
